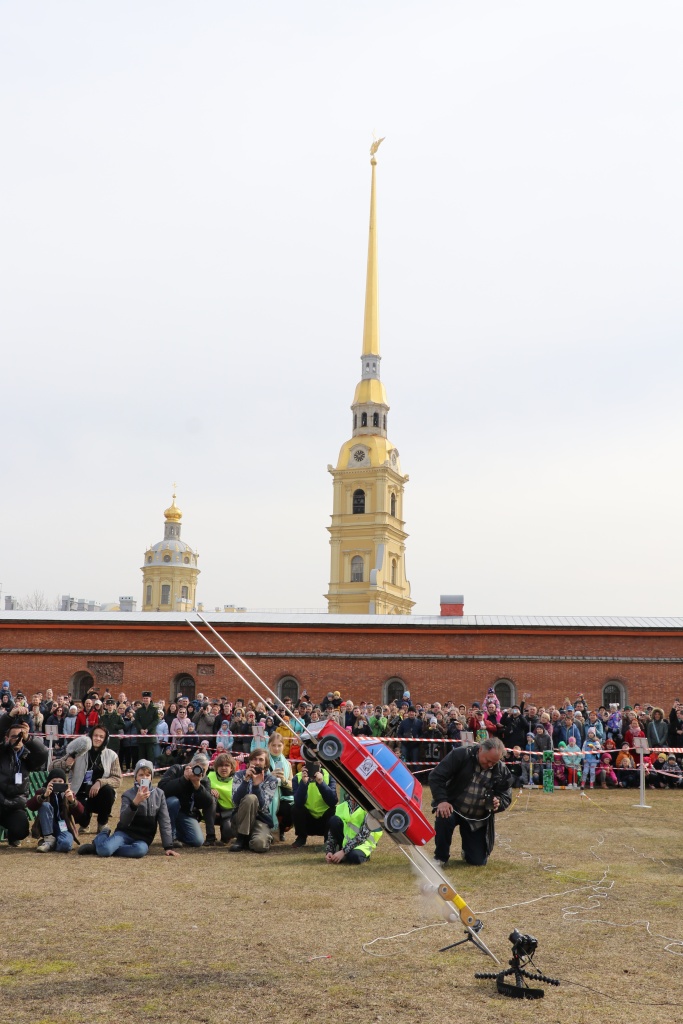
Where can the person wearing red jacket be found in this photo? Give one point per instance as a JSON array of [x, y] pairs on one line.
[[86, 718]]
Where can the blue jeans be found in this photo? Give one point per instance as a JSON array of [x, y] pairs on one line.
[[119, 844], [46, 817], [184, 826], [410, 751]]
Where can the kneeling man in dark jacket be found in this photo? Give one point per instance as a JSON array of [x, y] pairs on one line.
[[469, 787]]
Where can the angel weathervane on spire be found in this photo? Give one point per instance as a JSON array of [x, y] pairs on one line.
[[375, 145]]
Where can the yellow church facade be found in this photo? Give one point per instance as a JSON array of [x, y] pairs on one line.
[[367, 535], [170, 572]]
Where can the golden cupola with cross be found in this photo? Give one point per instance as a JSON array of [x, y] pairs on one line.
[[169, 575], [367, 535]]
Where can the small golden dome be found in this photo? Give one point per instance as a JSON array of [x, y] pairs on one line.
[[173, 513]]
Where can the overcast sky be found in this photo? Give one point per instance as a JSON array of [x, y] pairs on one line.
[[183, 241]]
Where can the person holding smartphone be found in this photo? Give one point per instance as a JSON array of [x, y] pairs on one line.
[[143, 810], [56, 805]]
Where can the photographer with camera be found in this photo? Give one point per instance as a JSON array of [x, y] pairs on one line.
[[187, 793], [56, 806], [253, 792], [143, 809], [315, 798], [19, 756], [20, 713], [469, 787]]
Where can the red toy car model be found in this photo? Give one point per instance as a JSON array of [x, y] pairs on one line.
[[372, 774]]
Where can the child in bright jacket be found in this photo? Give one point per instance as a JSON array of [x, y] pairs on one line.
[[571, 757], [591, 759]]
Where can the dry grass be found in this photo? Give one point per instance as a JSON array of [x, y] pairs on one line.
[[211, 936]]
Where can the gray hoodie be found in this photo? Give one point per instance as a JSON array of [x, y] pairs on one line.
[[141, 822]]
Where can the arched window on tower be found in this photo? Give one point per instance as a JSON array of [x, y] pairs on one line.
[[358, 502], [166, 593], [394, 571], [148, 594], [355, 421], [357, 569], [393, 504], [363, 419], [385, 422], [184, 593], [375, 419]]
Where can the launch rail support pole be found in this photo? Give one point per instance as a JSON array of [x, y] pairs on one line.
[[642, 782]]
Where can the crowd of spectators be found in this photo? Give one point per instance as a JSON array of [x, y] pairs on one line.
[[234, 765]]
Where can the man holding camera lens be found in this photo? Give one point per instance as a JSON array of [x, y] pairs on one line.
[[469, 786], [253, 792], [19, 756], [315, 798], [188, 793]]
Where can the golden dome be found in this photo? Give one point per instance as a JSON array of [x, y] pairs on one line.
[[173, 513]]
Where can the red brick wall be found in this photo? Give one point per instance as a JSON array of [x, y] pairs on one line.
[[435, 662]]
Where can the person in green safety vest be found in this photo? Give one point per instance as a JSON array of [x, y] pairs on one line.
[[221, 779], [349, 839], [315, 797]]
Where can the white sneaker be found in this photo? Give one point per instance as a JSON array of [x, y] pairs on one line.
[[440, 863], [48, 844]]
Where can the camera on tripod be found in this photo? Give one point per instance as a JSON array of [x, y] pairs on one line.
[[523, 945]]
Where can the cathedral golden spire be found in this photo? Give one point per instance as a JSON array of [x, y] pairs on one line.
[[371, 321]]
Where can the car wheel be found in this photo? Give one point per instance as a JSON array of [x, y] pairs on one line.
[[329, 748], [308, 752], [396, 820]]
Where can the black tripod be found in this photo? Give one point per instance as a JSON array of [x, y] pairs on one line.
[[523, 949]]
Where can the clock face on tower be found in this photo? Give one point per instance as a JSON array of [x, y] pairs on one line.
[[359, 455]]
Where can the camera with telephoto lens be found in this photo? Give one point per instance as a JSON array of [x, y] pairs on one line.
[[197, 769]]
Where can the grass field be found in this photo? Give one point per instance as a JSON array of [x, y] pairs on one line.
[[213, 937]]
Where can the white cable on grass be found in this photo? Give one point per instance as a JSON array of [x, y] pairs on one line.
[[600, 892], [399, 935]]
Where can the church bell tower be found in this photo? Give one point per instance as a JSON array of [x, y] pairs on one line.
[[367, 536]]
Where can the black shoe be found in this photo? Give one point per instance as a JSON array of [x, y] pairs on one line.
[[14, 843], [86, 849], [299, 842], [210, 841], [241, 843], [282, 835]]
